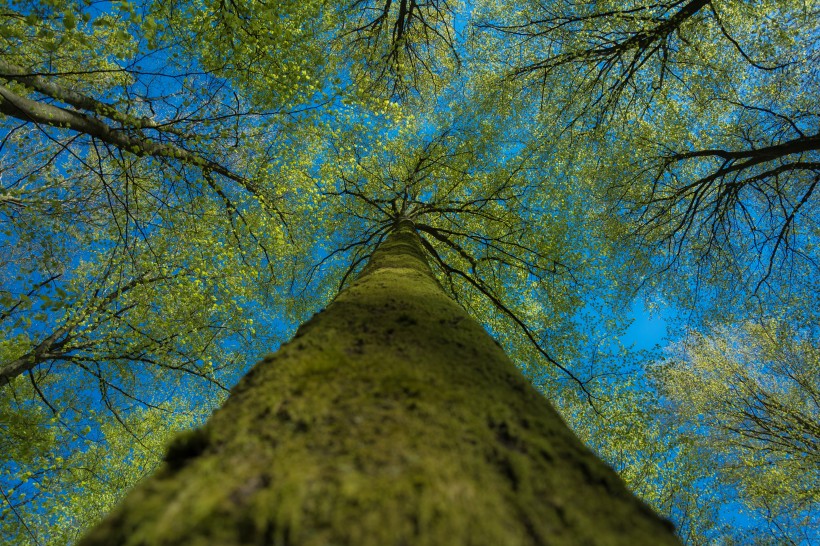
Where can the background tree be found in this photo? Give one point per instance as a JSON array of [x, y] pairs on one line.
[[79, 475], [401, 46], [704, 112], [704, 126], [753, 391], [136, 251]]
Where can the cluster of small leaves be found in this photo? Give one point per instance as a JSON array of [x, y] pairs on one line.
[[271, 52], [754, 391], [61, 472]]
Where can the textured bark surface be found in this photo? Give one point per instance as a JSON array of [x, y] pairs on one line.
[[392, 418]]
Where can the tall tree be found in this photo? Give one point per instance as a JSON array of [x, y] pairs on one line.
[[182, 180], [391, 418]]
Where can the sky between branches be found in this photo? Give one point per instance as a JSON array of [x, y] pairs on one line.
[[183, 183]]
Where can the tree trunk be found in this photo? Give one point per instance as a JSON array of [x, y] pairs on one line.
[[392, 418]]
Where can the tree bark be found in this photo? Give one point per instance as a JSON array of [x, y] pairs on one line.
[[392, 418]]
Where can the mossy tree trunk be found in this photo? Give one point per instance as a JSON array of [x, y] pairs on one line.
[[392, 418]]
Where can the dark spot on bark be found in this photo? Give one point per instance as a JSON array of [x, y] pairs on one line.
[[357, 348], [668, 524], [267, 536], [410, 392], [406, 320], [246, 529], [300, 426], [591, 476], [531, 529], [561, 513], [516, 383], [414, 521], [505, 437], [508, 471], [186, 446]]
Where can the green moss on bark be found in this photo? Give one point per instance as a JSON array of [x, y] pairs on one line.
[[391, 418]]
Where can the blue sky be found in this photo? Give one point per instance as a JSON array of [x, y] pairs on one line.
[[649, 329]]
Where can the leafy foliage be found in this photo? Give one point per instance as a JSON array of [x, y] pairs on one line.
[[183, 182], [703, 117], [753, 392]]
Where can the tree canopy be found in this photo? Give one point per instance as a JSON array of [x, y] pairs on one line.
[[183, 183]]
